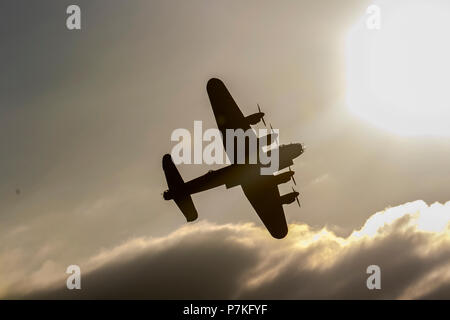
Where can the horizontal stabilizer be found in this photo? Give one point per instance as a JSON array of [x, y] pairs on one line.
[[187, 207], [177, 191]]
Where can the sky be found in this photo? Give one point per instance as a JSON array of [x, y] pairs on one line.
[[86, 116]]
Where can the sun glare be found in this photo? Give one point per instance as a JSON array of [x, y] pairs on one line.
[[398, 76]]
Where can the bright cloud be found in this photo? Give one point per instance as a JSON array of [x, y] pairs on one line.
[[410, 243]]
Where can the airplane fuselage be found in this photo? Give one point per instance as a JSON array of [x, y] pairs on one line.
[[238, 174]]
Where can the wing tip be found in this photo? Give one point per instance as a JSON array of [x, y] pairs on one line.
[[166, 160], [214, 83], [280, 234], [192, 218]]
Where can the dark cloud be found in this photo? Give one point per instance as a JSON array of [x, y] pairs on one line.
[[196, 266], [443, 292], [206, 261]]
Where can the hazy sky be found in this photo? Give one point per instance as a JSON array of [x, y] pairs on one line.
[[86, 116]]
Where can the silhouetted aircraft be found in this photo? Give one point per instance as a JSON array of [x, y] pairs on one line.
[[261, 190]]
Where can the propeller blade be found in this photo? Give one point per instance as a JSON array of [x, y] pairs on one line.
[[271, 131], [296, 198], [292, 177], [259, 110]]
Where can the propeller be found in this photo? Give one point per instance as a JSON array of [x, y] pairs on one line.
[[259, 109], [296, 198], [292, 177], [271, 131]]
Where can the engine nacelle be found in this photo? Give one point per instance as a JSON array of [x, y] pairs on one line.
[[254, 118], [283, 177], [288, 198]]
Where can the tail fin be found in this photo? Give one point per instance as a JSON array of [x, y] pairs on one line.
[[176, 189]]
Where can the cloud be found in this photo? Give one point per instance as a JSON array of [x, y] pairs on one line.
[[321, 178], [410, 243]]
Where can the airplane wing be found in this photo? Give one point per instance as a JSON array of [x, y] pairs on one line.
[[226, 111], [265, 199], [263, 195]]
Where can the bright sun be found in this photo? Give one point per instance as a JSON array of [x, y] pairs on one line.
[[398, 77]]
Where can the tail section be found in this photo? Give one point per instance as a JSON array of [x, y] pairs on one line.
[[176, 190]]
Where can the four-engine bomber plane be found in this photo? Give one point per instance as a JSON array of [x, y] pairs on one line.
[[261, 190]]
